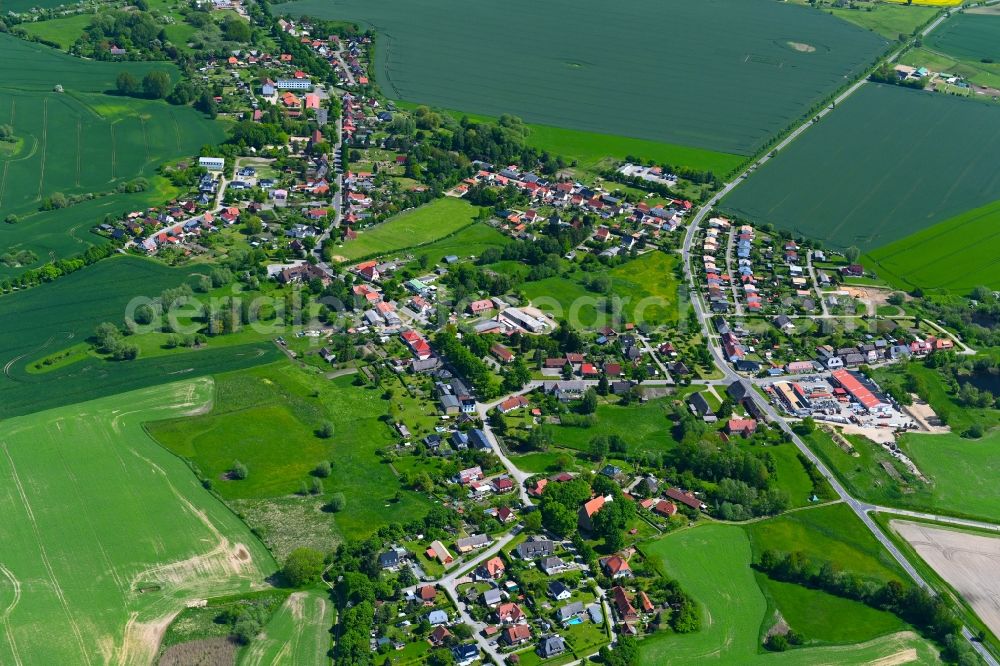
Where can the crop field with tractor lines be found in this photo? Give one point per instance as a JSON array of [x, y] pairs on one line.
[[761, 66]]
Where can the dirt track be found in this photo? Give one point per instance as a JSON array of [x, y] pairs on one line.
[[968, 562]]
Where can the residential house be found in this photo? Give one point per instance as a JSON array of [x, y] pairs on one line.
[[552, 565], [491, 569], [438, 552], [516, 635], [437, 617], [623, 605], [587, 511], [492, 597], [509, 613], [535, 548], [440, 633], [742, 427], [471, 543], [558, 591], [551, 646], [687, 498], [616, 567]]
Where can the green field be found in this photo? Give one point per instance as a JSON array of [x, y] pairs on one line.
[[46, 319], [871, 172], [956, 255], [299, 633], [890, 21], [31, 66], [592, 150], [830, 532], [968, 37], [81, 142], [764, 66], [106, 535], [427, 224], [61, 31], [646, 286], [712, 563], [267, 418], [964, 471]]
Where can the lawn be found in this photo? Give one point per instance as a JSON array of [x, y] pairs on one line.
[[642, 290], [467, 242], [890, 21], [427, 224], [968, 37], [41, 321], [791, 475], [299, 633], [765, 65], [712, 563], [955, 255], [62, 31], [107, 534], [862, 178], [645, 427], [268, 418], [831, 532]]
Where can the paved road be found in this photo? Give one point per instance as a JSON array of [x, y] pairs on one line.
[[861, 509], [336, 164]]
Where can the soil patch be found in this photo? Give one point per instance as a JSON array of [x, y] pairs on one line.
[[968, 562], [802, 48], [205, 652]]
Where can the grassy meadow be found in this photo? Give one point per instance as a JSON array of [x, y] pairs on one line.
[[712, 563], [426, 224], [964, 471], [268, 418], [106, 534], [765, 65], [62, 31], [828, 532], [888, 20], [647, 289], [865, 177], [955, 255]]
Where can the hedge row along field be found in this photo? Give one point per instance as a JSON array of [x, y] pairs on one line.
[[958, 254], [106, 534], [969, 36], [54, 316], [718, 74], [888, 164]]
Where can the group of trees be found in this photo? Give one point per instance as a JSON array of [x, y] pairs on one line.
[[154, 85], [467, 364], [109, 339]]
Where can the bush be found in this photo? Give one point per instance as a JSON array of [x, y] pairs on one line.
[[239, 471], [323, 469], [337, 503], [303, 566]]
